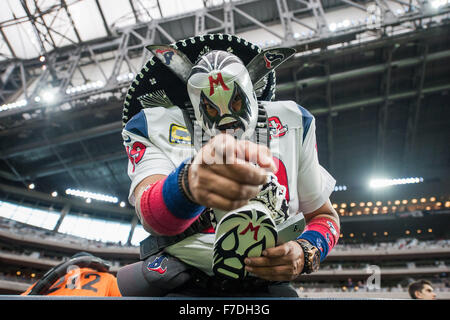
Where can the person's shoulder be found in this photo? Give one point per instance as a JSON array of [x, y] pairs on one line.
[[287, 106], [154, 119], [289, 111]]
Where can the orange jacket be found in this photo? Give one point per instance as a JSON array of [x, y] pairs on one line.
[[83, 282]]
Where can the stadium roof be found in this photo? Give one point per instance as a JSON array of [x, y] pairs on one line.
[[30, 28]]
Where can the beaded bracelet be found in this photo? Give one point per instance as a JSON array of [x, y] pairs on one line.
[[183, 180]]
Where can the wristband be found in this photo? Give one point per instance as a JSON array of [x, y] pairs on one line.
[[165, 207], [175, 198], [322, 233]]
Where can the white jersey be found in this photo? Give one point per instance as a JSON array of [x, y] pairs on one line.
[[157, 141]]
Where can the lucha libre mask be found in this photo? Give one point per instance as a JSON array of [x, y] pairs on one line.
[[242, 233], [222, 95], [220, 87]]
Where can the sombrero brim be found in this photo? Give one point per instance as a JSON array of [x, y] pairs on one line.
[[157, 86]]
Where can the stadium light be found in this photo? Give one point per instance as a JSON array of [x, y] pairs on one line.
[[122, 204], [340, 188], [17, 104], [438, 3], [125, 77], [92, 195], [332, 26], [54, 194], [85, 87], [31, 186], [49, 95], [382, 183]]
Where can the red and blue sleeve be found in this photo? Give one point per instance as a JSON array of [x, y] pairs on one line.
[[322, 233], [165, 207]]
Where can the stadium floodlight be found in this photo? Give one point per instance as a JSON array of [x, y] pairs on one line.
[[332, 26], [85, 87], [340, 188], [382, 183], [17, 104], [125, 77], [48, 96], [92, 195], [438, 3]]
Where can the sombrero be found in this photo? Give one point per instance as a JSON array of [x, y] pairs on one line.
[[162, 80]]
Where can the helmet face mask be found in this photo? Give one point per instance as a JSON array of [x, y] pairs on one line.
[[222, 95]]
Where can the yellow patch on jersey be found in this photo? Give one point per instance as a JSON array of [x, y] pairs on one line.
[[179, 134]]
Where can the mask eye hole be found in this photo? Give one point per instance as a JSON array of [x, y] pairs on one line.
[[212, 112], [236, 104]]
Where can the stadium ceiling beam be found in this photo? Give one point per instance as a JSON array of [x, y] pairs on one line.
[[38, 33], [110, 128], [383, 114], [41, 17], [91, 158], [74, 203], [136, 16], [102, 15], [257, 22], [129, 43], [61, 161], [62, 118], [16, 174], [72, 23], [414, 109], [320, 111], [292, 85], [364, 71], [8, 44], [356, 5], [330, 130], [286, 19], [59, 168]]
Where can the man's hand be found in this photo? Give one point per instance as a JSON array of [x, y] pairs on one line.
[[282, 263], [223, 176]]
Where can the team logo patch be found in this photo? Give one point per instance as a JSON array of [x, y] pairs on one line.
[[332, 229], [319, 244], [328, 239], [277, 129], [156, 265], [135, 153], [179, 134], [271, 57], [167, 54]]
